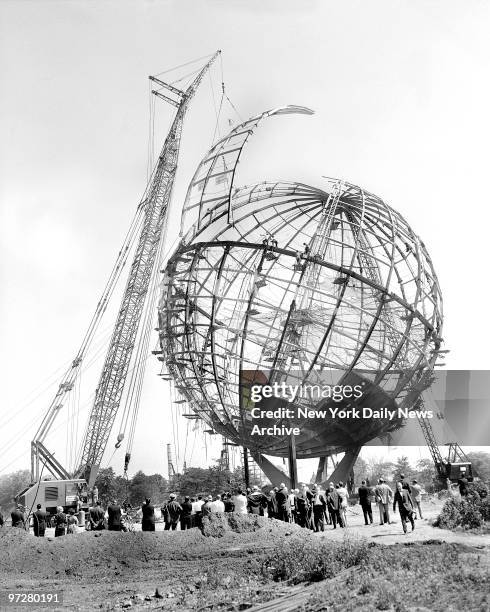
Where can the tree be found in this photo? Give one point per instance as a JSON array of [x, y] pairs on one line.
[[11, 485], [402, 466], [361, 471], [110, 486], [427, 475], [379, 468], [481, 464], [142, 486], [213, 480]]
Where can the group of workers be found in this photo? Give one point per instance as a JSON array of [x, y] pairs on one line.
[[309, 507], [407, 497]]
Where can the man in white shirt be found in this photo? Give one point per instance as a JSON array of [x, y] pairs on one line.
[[240, 502], [197, 511], [218, 505], [344, 501], [417, 496]]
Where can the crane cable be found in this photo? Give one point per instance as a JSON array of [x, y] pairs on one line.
[[35, 424]]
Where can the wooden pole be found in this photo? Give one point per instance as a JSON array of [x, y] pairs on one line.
[[245, 467], [293, 471]]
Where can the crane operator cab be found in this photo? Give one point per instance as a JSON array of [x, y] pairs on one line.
[[52, 493]]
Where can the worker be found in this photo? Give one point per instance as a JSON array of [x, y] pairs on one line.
[[165, 516], [303, 506], [186, 518], [292, 505], [207, 507], [218, 505], [364, 501], [59, 521], [417, 496], [272, 503], [39, 520], [97, 517], [197, 513], [114, 516], [319, 505], [95, 494], [463, 486], [229, 505], [405, 483], [256, 501], [333, 505], [283, 512], [384, 495], [148, 518], [174, 510], [71, 522], [240, 502], [405, 506], [344, 501], [18, 518]]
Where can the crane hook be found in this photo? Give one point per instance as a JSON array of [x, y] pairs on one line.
[[120, 438]]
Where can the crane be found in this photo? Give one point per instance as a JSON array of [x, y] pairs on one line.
[[151, 217], [456, 465]]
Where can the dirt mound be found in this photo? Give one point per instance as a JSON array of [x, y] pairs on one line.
[[90, 553], [101, 554], [217, 525]]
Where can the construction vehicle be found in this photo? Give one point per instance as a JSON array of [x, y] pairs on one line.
[[130, 337], [456, 465]]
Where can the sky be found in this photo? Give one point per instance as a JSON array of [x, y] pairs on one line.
[[401, 102]]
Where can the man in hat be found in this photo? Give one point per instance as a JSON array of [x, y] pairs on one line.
[[39, 519], [174, 510], [282, 500], [148, 518], [256, 501], [186, 518]]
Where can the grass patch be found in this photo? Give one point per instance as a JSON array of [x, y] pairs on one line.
[[311, 560]]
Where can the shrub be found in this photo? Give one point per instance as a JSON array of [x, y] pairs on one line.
[[469, 512], [313, 560], [485, 509], [450, 515], [480, 488]]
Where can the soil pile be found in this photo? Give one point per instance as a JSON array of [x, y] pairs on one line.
[[104, 554], [90, 553], [217, 525]]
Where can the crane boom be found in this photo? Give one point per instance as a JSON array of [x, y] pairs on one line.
[[155, 203]]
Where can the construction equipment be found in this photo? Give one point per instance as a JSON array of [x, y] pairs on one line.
[[456, 465], [151, 217]]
